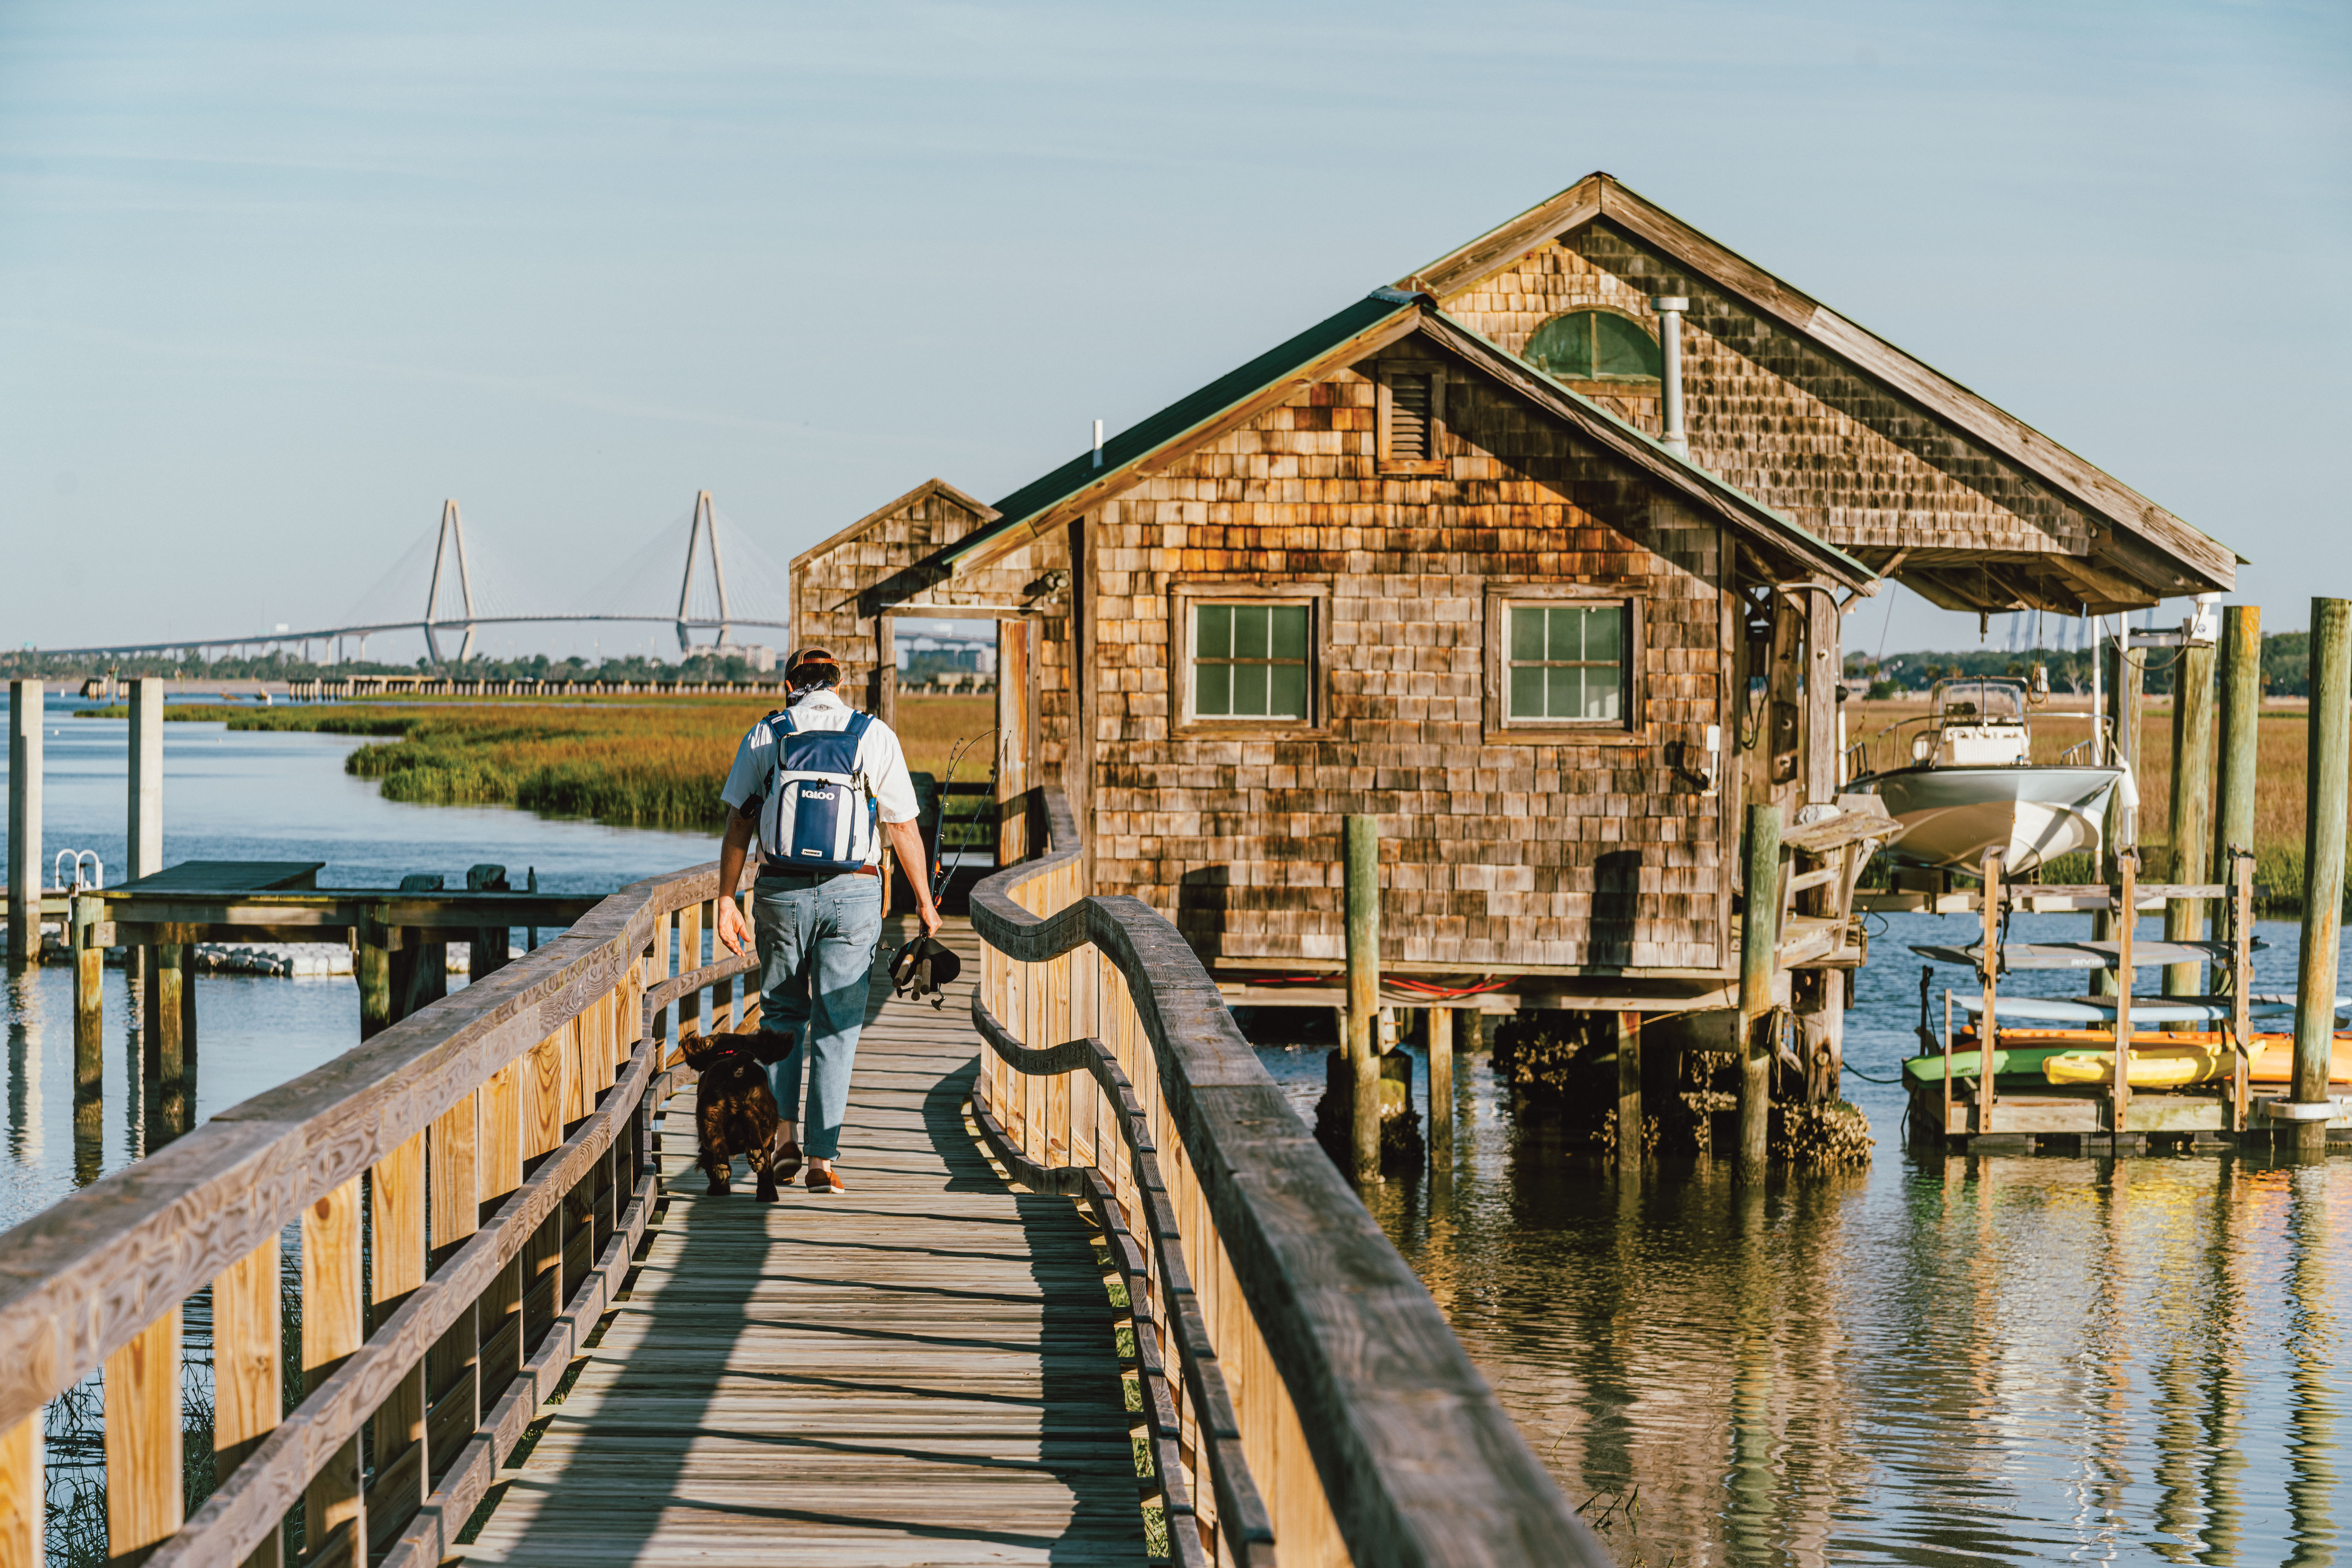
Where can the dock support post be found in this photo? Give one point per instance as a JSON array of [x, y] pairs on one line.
[[143, 826], [2191, 809], [2242, 718], [23, 823], [160, 1020], [1759, 929], [1989, 976], [2124, 666], [1629, 1094], [2323, 860], [371, 967], [1440, 1090], [90, 995], [1361, 847]]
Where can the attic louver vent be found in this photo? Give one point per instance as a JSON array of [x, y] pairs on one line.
[[1409, 419]]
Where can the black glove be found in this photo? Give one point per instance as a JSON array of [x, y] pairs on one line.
[[924, 967]]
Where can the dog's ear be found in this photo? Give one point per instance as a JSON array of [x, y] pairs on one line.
[[768, 1050], [700, 1055]]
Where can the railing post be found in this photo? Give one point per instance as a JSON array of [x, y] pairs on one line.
[[143, 1441], [1362, 888], [330, 1332], [2322, 860], [249, 1387], [1760, 929]]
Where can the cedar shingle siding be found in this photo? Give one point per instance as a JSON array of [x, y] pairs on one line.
[[1574, 854]]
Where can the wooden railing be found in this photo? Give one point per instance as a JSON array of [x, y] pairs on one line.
[[501, 1144], [1304, 1397]]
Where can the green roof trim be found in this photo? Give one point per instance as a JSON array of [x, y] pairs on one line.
[[1188, 412]]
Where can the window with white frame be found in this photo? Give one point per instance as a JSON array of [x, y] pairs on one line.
[[1565, 663], [1252, 659]]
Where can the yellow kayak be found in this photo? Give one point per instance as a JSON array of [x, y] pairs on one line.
[[2197, 1059]]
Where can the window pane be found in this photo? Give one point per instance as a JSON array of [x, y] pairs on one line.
[[1527, 691], [1289, 631], [1527, 633], [1567, 700], [1212, 695], [1563, 346], [1288, 700], [1603, 630], [1600, 688], [1249, 631], [1215, 637], [1623, 348], [1567, 633], [1249, 691]]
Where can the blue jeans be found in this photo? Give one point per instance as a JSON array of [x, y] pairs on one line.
[[816, 959]]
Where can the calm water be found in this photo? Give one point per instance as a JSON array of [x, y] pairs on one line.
[[2012, 1359], [2009, 1359], [247, 797]]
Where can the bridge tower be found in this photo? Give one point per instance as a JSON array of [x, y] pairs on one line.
[[450, 547], [705, 526]]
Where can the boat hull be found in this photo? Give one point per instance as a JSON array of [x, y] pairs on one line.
[[1952, 814]]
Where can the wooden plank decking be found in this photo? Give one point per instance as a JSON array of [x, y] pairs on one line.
[[920, 1371]]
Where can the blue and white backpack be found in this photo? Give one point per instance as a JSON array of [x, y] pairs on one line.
[[820, 813]]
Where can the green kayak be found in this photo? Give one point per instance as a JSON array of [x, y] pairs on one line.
[[2022, 1061]]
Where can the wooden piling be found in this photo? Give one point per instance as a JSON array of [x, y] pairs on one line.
[[2329, 772], [24, 823], [2124, 665], [1759, 929], [1361, 876], [143, 803], [2192, 808], [1629, 1093], [371, 967], [2242, 700], [1440, 1090], [90, 998]]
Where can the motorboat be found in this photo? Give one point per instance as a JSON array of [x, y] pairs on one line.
[[1972, 786]]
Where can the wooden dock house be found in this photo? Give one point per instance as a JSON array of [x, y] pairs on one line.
[[1540, 555]]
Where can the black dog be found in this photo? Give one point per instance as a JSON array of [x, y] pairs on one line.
[[735, 1112]]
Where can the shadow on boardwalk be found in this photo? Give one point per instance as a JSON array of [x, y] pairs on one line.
[[921, 1370]]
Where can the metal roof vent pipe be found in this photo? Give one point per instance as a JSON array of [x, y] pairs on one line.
[[1670, 308], [1098, 443]]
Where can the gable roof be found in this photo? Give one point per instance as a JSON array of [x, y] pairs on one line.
[[981, 510], [1380, 319], [2149, 541]]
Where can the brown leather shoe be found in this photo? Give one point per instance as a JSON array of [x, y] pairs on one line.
[[785, 1159], [825, 1180]]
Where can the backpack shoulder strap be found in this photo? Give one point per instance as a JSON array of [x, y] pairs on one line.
[[858, 725]]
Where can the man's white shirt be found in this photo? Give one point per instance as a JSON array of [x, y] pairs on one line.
[[881, 761]]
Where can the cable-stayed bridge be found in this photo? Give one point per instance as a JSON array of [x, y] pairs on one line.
[[449, 587]]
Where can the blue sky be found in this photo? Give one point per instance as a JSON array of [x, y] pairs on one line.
[[275, 280]]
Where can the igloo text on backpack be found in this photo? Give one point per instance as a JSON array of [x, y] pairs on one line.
[[819, 815]]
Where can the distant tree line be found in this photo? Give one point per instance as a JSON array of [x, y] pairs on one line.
[[702, 664], [2287, 668]]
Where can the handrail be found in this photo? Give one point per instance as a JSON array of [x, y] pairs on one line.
[[1375, 1440], [510, 1126]]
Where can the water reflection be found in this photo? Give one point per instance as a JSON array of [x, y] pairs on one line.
[[1992, 1359]]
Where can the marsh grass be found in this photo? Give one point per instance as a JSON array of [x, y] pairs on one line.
[[629, 762]]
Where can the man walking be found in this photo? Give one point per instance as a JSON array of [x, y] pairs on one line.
[[808, 785]]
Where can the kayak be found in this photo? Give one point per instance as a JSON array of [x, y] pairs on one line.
[[2087, 1056], [2193, 1059]]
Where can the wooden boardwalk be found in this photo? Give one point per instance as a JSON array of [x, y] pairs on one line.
[[922, 1370]]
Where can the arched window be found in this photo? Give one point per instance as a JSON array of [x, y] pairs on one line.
[[1594, 345]]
